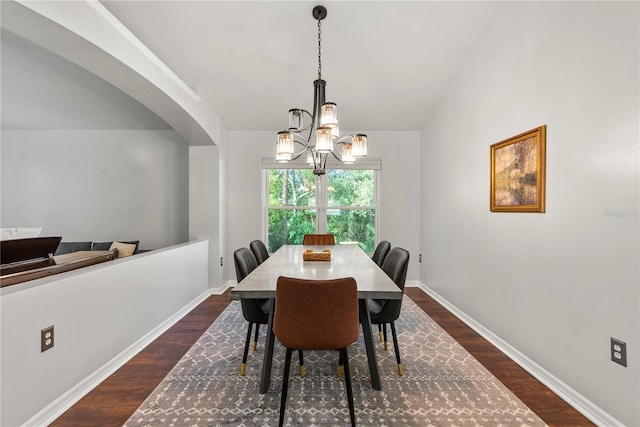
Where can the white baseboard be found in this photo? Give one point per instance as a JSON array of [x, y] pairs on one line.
[[221, 289], [56, 408], [568, 394]]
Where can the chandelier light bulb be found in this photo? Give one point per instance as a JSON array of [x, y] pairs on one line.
[[311, 160], [359, 148], [335, 131], [347, 157], [329, 114], [295, 120], [324, 141], [284, 146]]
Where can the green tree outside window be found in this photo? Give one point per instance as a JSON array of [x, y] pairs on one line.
[[292, 207]]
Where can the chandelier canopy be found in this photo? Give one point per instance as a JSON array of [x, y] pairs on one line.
[[318, 132]]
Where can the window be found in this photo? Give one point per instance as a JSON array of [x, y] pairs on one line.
[[342, 202]]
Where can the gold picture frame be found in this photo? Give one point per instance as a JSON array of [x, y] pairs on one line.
[[518, 172]]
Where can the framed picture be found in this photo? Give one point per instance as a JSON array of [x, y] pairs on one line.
[[518, 172]]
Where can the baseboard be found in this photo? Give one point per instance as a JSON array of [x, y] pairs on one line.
[[221, 289], [568, 394], [56, 408]]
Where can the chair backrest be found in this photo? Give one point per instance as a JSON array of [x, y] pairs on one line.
[[259, 251], [316, 314], [245, 263], [381, 252], [251, 308], [319, 239], [396, 264]]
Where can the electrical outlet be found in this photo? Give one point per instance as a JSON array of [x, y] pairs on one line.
[[46, 339], [619, 352], [420, 258], [220, 261]]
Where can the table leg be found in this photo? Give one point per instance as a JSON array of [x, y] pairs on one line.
[[365, 320], [265, 377]]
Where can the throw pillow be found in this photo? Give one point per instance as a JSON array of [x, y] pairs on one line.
[[124, 249]]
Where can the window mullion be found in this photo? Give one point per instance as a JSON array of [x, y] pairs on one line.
[[321, 201]]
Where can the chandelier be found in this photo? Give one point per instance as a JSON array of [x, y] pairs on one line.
[[318, 133]]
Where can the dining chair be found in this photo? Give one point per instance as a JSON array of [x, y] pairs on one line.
[[259, 251], [385, 312], [319, 239], [381, 252], [255, 311], [316, 315]]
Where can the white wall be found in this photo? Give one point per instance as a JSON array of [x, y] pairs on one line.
[[399, 192], [204, 206], [101, 316], [83, 159], [223, 206], [41, 90], [555, 286], [244, 185], [97, 185]]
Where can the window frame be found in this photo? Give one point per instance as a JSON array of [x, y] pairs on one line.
[[321, 195]]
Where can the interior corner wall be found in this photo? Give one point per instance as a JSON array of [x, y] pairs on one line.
[[556, 285], [207, 203], [223, 212], [203, 203], [400, 209]]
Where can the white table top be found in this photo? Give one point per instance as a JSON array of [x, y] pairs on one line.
[[346, 261]]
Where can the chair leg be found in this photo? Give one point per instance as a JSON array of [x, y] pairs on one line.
[[384, 334], [301, 363], [380, 331], [285, 385], [255, 340], [347, 380], [395, 346], [246, 350], [340, 365]]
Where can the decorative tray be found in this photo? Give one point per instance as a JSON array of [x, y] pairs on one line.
[[310, 255]]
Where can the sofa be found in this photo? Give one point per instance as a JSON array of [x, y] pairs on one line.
[[125, 247]]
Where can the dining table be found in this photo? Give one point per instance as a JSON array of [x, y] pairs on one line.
[[345, 261]]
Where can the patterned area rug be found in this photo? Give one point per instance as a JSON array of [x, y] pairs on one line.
[[442, 385]]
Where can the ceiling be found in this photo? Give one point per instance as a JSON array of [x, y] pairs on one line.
[[386, 63]]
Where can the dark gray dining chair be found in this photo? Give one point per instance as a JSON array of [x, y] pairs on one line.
[[259, 251], [381, 252], [255, 311], [385, 312]]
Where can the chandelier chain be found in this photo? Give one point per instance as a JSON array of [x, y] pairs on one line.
[[319, 50]]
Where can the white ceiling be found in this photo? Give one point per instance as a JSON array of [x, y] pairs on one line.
[[385, 62]]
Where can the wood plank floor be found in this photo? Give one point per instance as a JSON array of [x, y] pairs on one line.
[[113, 401]]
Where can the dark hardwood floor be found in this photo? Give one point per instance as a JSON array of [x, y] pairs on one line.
[[113, 401], [546, 404]]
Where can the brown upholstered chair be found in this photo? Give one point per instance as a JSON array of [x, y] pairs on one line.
[[319, 239], [316, 315]]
